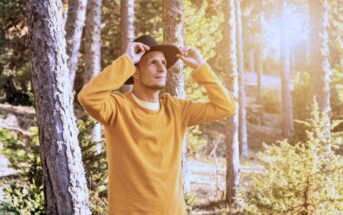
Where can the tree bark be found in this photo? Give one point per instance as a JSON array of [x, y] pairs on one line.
[[251, 60], [127, 30], [259, 77], [244, 149], [232, 140], [92, 54], [286, 107], [319, 57], [260, 64], [73, 27], [173, 34], [64, 181]]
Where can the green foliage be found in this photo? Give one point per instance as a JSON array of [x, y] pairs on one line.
[[189, 200], [301, 98], [23, 198], [94, 161], [14, 57], [194, 141], [305, 178], [270, 102], [23, 194]]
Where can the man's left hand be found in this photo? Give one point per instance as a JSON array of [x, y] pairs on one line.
[[191, 57]]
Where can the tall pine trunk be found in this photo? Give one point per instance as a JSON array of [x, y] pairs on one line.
[[243, 139], [319, 57], [173, 34], [260, 64], [232, 140], [73, 27], [286, 107], [126, 30], [92, 56], [64, 182], [126, 23]]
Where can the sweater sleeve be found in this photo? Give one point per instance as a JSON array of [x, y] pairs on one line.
[[97, 98], [221, 102]]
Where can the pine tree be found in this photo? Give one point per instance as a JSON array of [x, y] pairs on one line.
[[304, 178]]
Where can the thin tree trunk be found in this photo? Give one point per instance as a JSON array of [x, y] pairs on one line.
[[260, 65], [127, 30], [259, 77], [73, 27], [251, 60], [244, 149], [64, 182], [93, 51], [319, 57], [287, 110], [172, 34], [232, 140]]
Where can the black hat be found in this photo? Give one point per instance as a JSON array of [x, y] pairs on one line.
[[169, 51]]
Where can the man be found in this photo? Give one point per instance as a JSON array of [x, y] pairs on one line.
[[144, 130]]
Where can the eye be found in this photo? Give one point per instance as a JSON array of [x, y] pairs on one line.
[[164, 63]]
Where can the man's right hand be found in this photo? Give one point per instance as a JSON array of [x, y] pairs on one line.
[[135, 51]]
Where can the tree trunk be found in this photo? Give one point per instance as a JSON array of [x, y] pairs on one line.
[[64, 181], [172, 34], [259, 77], [319, 57], [73, 27], [92, 54], [260, 65], [251, 60], [287, 110], [127, 30], [232, 141], [244, 150]]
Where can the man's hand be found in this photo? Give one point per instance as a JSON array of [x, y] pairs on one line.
[[191, 57], [135, 51]]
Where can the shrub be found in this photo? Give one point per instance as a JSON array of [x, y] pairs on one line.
[[305, 178], [23, 193]]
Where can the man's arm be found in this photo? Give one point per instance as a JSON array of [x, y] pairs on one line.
[[96, 96], [221, 102]]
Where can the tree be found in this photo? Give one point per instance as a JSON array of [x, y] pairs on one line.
[[173, 34], [73, 26], [298, 179], [232, 140], [127, 30], [260, 62], [64, 181], [287, 111], [126, 22], [243, 139], [93, 51], [319, 57]]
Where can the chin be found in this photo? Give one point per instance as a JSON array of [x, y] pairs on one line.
[[158, 87]]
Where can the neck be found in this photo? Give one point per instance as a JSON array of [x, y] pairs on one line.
[[145, 94]]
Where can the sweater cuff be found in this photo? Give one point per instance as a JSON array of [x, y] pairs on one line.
[[127, 56], [199, 68]]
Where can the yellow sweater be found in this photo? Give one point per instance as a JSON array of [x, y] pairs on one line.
[[144, 146]]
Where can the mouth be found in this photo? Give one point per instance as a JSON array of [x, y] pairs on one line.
[[160, 77]]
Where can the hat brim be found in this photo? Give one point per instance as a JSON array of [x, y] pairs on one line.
[[169, 52]]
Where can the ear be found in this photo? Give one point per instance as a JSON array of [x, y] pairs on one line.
[[136, 74]]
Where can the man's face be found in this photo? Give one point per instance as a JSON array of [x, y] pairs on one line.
[[151, 71]]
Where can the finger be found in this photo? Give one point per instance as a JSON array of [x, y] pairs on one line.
[[146, 47], [141, 49], [184, 49]]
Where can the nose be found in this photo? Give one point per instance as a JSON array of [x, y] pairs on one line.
[[162, 68]]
